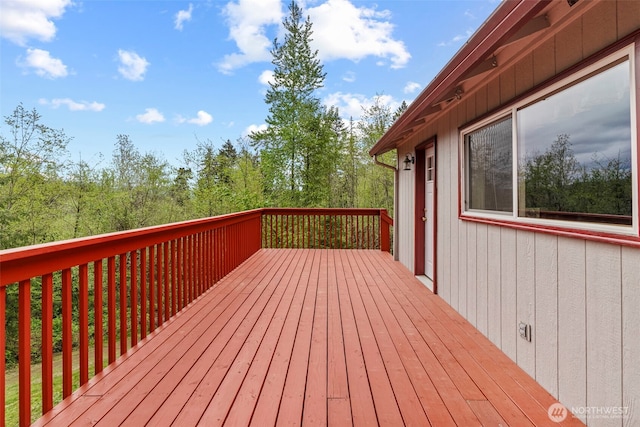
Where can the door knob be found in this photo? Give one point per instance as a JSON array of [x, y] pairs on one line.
[[424, 219]]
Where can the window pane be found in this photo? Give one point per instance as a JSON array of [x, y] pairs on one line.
[[575, 152], [490, 181]]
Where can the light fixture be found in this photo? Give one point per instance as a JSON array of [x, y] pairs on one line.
[[408, 161]]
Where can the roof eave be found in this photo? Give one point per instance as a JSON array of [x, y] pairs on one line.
[[504, 22]]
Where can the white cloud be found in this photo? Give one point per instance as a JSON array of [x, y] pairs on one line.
[[457, 39], [247, 21], [412, 87], [73, 105], [26, 19], [43, 64], [183, 16], [132, 66], [254, 128], [352, 105], [349, 77], [150, 116], [202, 119], [266, 77], [342, 30]]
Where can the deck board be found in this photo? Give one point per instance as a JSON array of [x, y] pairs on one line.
[[312, 337]]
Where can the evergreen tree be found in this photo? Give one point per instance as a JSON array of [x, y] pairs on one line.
[[213, 178], [298, 132]]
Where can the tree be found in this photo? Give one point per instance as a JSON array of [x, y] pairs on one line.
[[213, 177], [31, 160], [246, 179], [297, 133], [549, 176], [376, 187], [84, 201], [140, 193]]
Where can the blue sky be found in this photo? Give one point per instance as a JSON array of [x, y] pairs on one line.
[[169, 73]]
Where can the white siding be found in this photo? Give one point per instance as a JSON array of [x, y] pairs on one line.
[[546, 306], [582, 298], [604, 334], [630, 334], [405, 217], [526, 297], [572, 326]]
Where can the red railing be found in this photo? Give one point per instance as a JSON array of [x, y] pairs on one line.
[[119, 288], [326, 228]]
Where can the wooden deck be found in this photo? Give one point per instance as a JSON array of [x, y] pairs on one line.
[[313, 337]]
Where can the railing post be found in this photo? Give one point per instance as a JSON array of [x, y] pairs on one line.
[[3, 346], [24, 351], [385, 235]]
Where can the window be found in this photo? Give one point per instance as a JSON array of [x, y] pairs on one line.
[[566, 156], [490, 154], [430, 168]]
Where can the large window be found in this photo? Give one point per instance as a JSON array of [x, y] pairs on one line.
[[572, 148]]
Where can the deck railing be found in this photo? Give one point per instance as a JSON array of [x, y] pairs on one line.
[[326, 228], [117, 289]]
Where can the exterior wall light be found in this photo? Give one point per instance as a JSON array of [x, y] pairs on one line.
[[408, 161]]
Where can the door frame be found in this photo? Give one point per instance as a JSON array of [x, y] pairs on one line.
[[419, 206]]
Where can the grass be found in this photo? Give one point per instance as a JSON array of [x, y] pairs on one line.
[[11, 388]]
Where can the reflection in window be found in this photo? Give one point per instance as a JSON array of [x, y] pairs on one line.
[[575, 152], [489, 153]]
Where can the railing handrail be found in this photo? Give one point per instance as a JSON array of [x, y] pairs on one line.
[[29, 261], [324, 211]]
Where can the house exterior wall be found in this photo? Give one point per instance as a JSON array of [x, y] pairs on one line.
[[581, 297]]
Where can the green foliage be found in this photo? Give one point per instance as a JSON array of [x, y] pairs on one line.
[[376, 183], [299, 147], [556, 181], [31, 160]]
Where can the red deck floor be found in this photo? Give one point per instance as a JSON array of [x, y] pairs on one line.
[[313, 337]]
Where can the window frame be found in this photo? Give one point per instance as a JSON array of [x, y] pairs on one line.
[[557, 86]]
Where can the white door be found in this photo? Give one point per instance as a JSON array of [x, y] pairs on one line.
[[429, 211]]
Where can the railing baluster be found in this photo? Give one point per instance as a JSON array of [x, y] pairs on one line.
[[200, 262], [83, 313], [123, 303], [24, 351], [178, 273], [143, 293], [111, 308], [152, 286], [174, 281], [167, 281], [3, 349], [183, 271], [134, 298], [188, 268], [47, 342], [195, 259], [97, 316], [67, 338], [159, 282]]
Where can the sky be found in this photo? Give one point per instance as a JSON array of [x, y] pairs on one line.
[[171, 73]]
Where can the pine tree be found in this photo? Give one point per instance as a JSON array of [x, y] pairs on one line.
[[299, 129]]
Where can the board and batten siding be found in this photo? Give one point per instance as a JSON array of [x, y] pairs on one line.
[[582, 298]]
